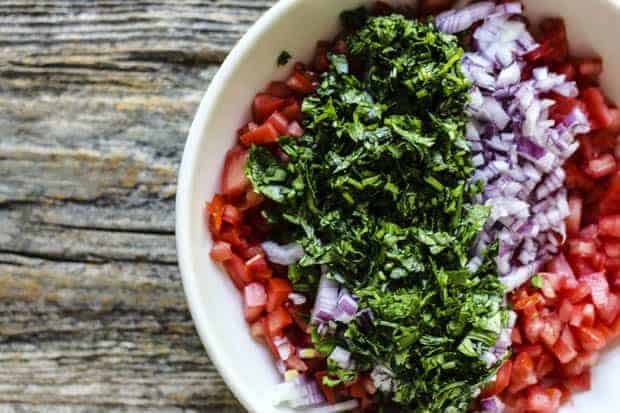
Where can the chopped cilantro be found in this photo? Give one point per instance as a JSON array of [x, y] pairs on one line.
[[378, 193], [283, 58]]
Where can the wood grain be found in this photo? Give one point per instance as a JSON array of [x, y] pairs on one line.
[[96, 98]]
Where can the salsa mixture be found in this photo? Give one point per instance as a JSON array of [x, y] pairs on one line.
[[426, 217]]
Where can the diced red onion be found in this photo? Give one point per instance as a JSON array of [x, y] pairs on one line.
[[454, 21], [254, 295], [326, 300], [341, 357], [297, 299], [492, 405], [283, 254], [383, 378], [294, 129], [284, 347], [508, 8], [300, 392]]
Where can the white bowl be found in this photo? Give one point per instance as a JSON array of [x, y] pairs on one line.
[[295, 25]]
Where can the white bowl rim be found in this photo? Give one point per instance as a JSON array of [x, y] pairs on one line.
[[186, 181]]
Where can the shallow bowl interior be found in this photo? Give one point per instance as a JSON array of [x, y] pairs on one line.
[[295, 26]]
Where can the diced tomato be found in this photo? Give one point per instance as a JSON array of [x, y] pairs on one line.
[[278, 290], [565, 311], [612, 248], [257, 264], [566, 69], [579, 293], [582, 266], [541, 400], [257, 329], [279, 122], [551, 330], [602, 166], [610, 226], [599, 288], [599, 261], [590, 67], [233, 236], [583, 382], [564, 348], [545, 365], [292, 111], [231, 214], [573, 222], [534, 350], [576, 178], [264, 105], [532, 327], [559, 265], [528, 301], [279, 90], [516, 336], [277, 320], [252, 314], [221, 251], [583, 315], [579, 364], [356, 389], [609, 311], [300, 84], [234, 181], [235, 267], [589, 232], [581, 248], [215, 209], [522, 373], [502, 379], [615, 120], [597, 107], [590, 338], [264, 134]]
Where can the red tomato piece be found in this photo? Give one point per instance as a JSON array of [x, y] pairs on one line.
[[300, 84], [581, 248], [541, 400], [579, 293], [583, 315], [231, 214], [565, 311], [589, 67], [221, 251], [612, 248], [534, 350], [264, 134], [583, 382], [252, 314], [279, 90], [278, 290], [590, 338], [566, 69], [551, 330], [564, 348], [528, 301], [610, 203], [235, 267], [602, 166], [597, 108], [610, 226], [215, 209], [609, 311], [257, 264], [327, 391], [277, 320], [264, 105], [532, 328], [573, 222], [545, 365], [576, 178], [522, 374], [589, 232], [579, 364], [615, 120], [293, 111], [234, 181], [516, 336], [502, 379], [559, 265], [257, 329], [233, 236], [279, 122], [599, 288]]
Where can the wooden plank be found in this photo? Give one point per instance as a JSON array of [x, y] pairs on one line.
[[96, 98]]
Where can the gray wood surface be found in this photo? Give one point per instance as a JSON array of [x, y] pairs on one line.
[[96, 98]]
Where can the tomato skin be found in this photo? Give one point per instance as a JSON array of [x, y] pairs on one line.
[[264, 105], [299, 83], [234, 181], [277, 320], [264, 134], [235, 267], [278, 290], [591, 339], [502, 379], [221, 251], [522, 373], [610, 226]]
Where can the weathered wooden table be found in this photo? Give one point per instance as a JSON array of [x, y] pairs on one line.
[[96, 98]]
